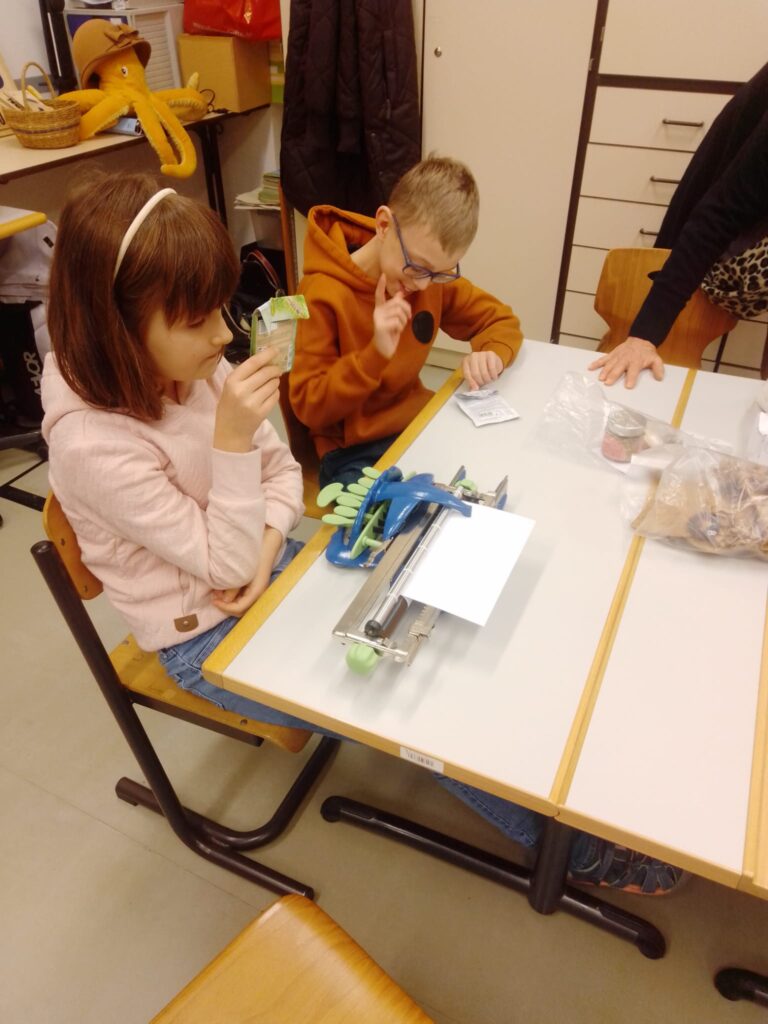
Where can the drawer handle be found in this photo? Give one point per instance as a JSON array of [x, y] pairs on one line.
[[644, 232], [666, 181], [684, 124]]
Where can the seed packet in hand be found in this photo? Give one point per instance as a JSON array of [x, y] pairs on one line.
[[274, 326]]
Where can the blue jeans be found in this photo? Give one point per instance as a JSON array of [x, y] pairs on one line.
[[183, 663], [519, 823], [345, 465]]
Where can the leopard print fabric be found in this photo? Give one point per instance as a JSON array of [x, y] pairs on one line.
[[739, 284]]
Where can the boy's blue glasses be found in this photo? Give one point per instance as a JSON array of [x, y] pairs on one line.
[[417, 272]]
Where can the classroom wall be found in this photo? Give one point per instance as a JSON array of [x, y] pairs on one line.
[[21, 34]]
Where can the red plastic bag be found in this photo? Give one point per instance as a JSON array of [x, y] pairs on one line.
[[249, 19]]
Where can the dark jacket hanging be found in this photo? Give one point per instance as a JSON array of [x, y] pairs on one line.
[[351, 124]]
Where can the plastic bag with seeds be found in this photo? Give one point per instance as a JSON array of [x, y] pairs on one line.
[[702, 499]]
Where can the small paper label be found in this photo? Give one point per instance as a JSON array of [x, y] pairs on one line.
[[422, 759], [762, 423], [485, 406]]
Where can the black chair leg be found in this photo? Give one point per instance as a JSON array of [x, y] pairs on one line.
[[545, 885], [196, 838], [135, 793], [737, 983], [164, 799]]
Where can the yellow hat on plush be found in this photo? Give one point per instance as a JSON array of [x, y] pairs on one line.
[[111, 60], [99, 38]]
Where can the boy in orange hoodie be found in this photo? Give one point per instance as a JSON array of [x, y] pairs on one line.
[[378, 290]]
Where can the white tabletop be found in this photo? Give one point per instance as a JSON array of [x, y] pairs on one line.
[[496, 705], [668, 757]]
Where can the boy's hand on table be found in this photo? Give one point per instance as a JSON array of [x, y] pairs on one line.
[[630, 357], [237, 600], [481, 368], [389, 319]]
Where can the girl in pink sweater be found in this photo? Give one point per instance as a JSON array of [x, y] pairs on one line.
[[178, 488]]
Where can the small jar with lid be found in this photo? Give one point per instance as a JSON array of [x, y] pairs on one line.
[[624, 435]]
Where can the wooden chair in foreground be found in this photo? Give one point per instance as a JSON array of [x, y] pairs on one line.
[[621, 291], [292, 965], [130, 676]]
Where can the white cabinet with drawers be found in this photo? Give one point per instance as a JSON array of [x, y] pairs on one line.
[[642, 135]]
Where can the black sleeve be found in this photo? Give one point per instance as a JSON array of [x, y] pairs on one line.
[[737, 201]]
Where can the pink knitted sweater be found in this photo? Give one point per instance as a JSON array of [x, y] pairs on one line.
[[161, 516]]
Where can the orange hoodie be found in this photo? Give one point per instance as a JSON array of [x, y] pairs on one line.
[[340, 386]]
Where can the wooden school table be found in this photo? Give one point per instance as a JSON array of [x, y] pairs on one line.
[[495, 707], [681, 705]]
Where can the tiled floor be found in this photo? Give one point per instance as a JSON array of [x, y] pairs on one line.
[[105, 915]]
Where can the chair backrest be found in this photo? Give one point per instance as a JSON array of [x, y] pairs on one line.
[[59, 531], [303, 450], [622, 289]]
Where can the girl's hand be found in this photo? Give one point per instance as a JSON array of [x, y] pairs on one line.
[[389, 319], [250, 393], [237, 601], [481, 368]]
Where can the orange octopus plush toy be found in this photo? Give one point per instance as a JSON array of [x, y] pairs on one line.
[[112, 57]]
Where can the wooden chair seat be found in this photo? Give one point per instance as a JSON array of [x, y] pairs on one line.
[[142, 674], [292, 965], [132, 676], [622, 289]]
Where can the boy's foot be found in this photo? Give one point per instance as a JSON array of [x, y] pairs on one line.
[[616, 867]]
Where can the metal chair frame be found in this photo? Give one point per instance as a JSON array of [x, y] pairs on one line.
[[210, 839]]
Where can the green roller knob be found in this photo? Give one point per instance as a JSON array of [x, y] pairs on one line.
[[360, 489], [329, 494], [468, 485], [362, 659]]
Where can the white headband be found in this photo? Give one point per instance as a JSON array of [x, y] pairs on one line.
[[136, 223]]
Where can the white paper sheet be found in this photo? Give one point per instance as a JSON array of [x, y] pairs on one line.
[[465, 567]]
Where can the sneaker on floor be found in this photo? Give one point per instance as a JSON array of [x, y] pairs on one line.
[[616, 867]]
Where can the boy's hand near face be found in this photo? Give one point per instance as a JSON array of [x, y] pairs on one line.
[[481, 368], [389, 319]]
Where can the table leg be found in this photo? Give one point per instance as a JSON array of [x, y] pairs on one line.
[[545, 885], [208, 135], [736, 983], [551, 870]]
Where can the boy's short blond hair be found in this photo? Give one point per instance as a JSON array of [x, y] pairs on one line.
[[441, 194]]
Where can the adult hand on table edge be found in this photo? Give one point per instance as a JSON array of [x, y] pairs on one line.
[[628, 359]]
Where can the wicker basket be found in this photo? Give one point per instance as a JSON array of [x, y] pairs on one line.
[[55, 127]]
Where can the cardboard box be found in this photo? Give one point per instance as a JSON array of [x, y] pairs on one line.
[[236, 70]]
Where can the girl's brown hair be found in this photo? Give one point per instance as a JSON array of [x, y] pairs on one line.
[[181, 261]]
